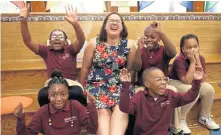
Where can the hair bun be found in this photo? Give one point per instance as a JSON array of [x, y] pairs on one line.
[[56, 73]]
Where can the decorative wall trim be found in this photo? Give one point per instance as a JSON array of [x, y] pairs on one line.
[[127, 17]]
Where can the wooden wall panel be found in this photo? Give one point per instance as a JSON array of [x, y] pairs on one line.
[[15, 53], [28, 81]]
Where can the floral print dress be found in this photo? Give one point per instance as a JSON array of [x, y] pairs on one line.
[[103, 80]]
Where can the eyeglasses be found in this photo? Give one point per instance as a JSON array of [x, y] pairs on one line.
[[58, 37], [163, 79], [111, 21]]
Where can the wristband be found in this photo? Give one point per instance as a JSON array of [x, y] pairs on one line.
[[23, 18]]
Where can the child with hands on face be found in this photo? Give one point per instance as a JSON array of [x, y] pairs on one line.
[[60, 116], [154, 106], [182, 77], [150, 54]]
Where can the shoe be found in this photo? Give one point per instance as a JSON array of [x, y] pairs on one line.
[[209, 123], [185, 128], [180, 133]]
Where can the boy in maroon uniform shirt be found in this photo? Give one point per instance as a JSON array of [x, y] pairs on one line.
[[150, 53], [154, 106], [61, 116]]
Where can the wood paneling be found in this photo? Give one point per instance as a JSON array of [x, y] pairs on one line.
[[24, 79], [15, 55]]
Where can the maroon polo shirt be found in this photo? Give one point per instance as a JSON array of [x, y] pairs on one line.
[[157, 58], [65, 61], [153, 117], [61, 120], [181, 65]]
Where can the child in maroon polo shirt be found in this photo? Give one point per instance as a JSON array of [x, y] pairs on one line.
[[150, 54], [154, 106], [182, 75], [59, 54], [61, 116]]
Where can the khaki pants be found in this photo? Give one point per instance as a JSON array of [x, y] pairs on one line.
[[206, 93], [175, 121]]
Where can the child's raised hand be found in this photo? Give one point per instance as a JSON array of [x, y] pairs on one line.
[[71, 15], [18, 111], [198, 73], [125, 75], [156, 26], [24, 11]]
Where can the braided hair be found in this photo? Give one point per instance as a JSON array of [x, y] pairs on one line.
[[56, 78]]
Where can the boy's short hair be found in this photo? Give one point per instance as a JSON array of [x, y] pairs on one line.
[[147, 71]]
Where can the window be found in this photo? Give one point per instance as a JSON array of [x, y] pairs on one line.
[[82, 6]]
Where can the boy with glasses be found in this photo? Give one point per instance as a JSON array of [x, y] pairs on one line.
[[154, 106], [150, 53]]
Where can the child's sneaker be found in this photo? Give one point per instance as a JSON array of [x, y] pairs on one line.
[[180, 133], [184, 127], [209, 123]]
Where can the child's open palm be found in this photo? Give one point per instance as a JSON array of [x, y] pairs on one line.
[[198, 73], [125, 76], [24, 11], [71, 15], [18, 111]]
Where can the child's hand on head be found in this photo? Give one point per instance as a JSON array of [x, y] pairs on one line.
[[18, 111], [198, 73], [125, 75], [156, 26], [140, 42]]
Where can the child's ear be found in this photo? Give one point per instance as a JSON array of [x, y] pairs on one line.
[[146, 84], [182, 49]]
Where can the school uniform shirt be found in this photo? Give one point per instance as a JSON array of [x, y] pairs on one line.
[[64, 60], [153, 117], [181, 65], [61, 120], [157, 58]]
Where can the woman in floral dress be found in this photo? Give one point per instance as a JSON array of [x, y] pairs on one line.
[[104, 57]]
